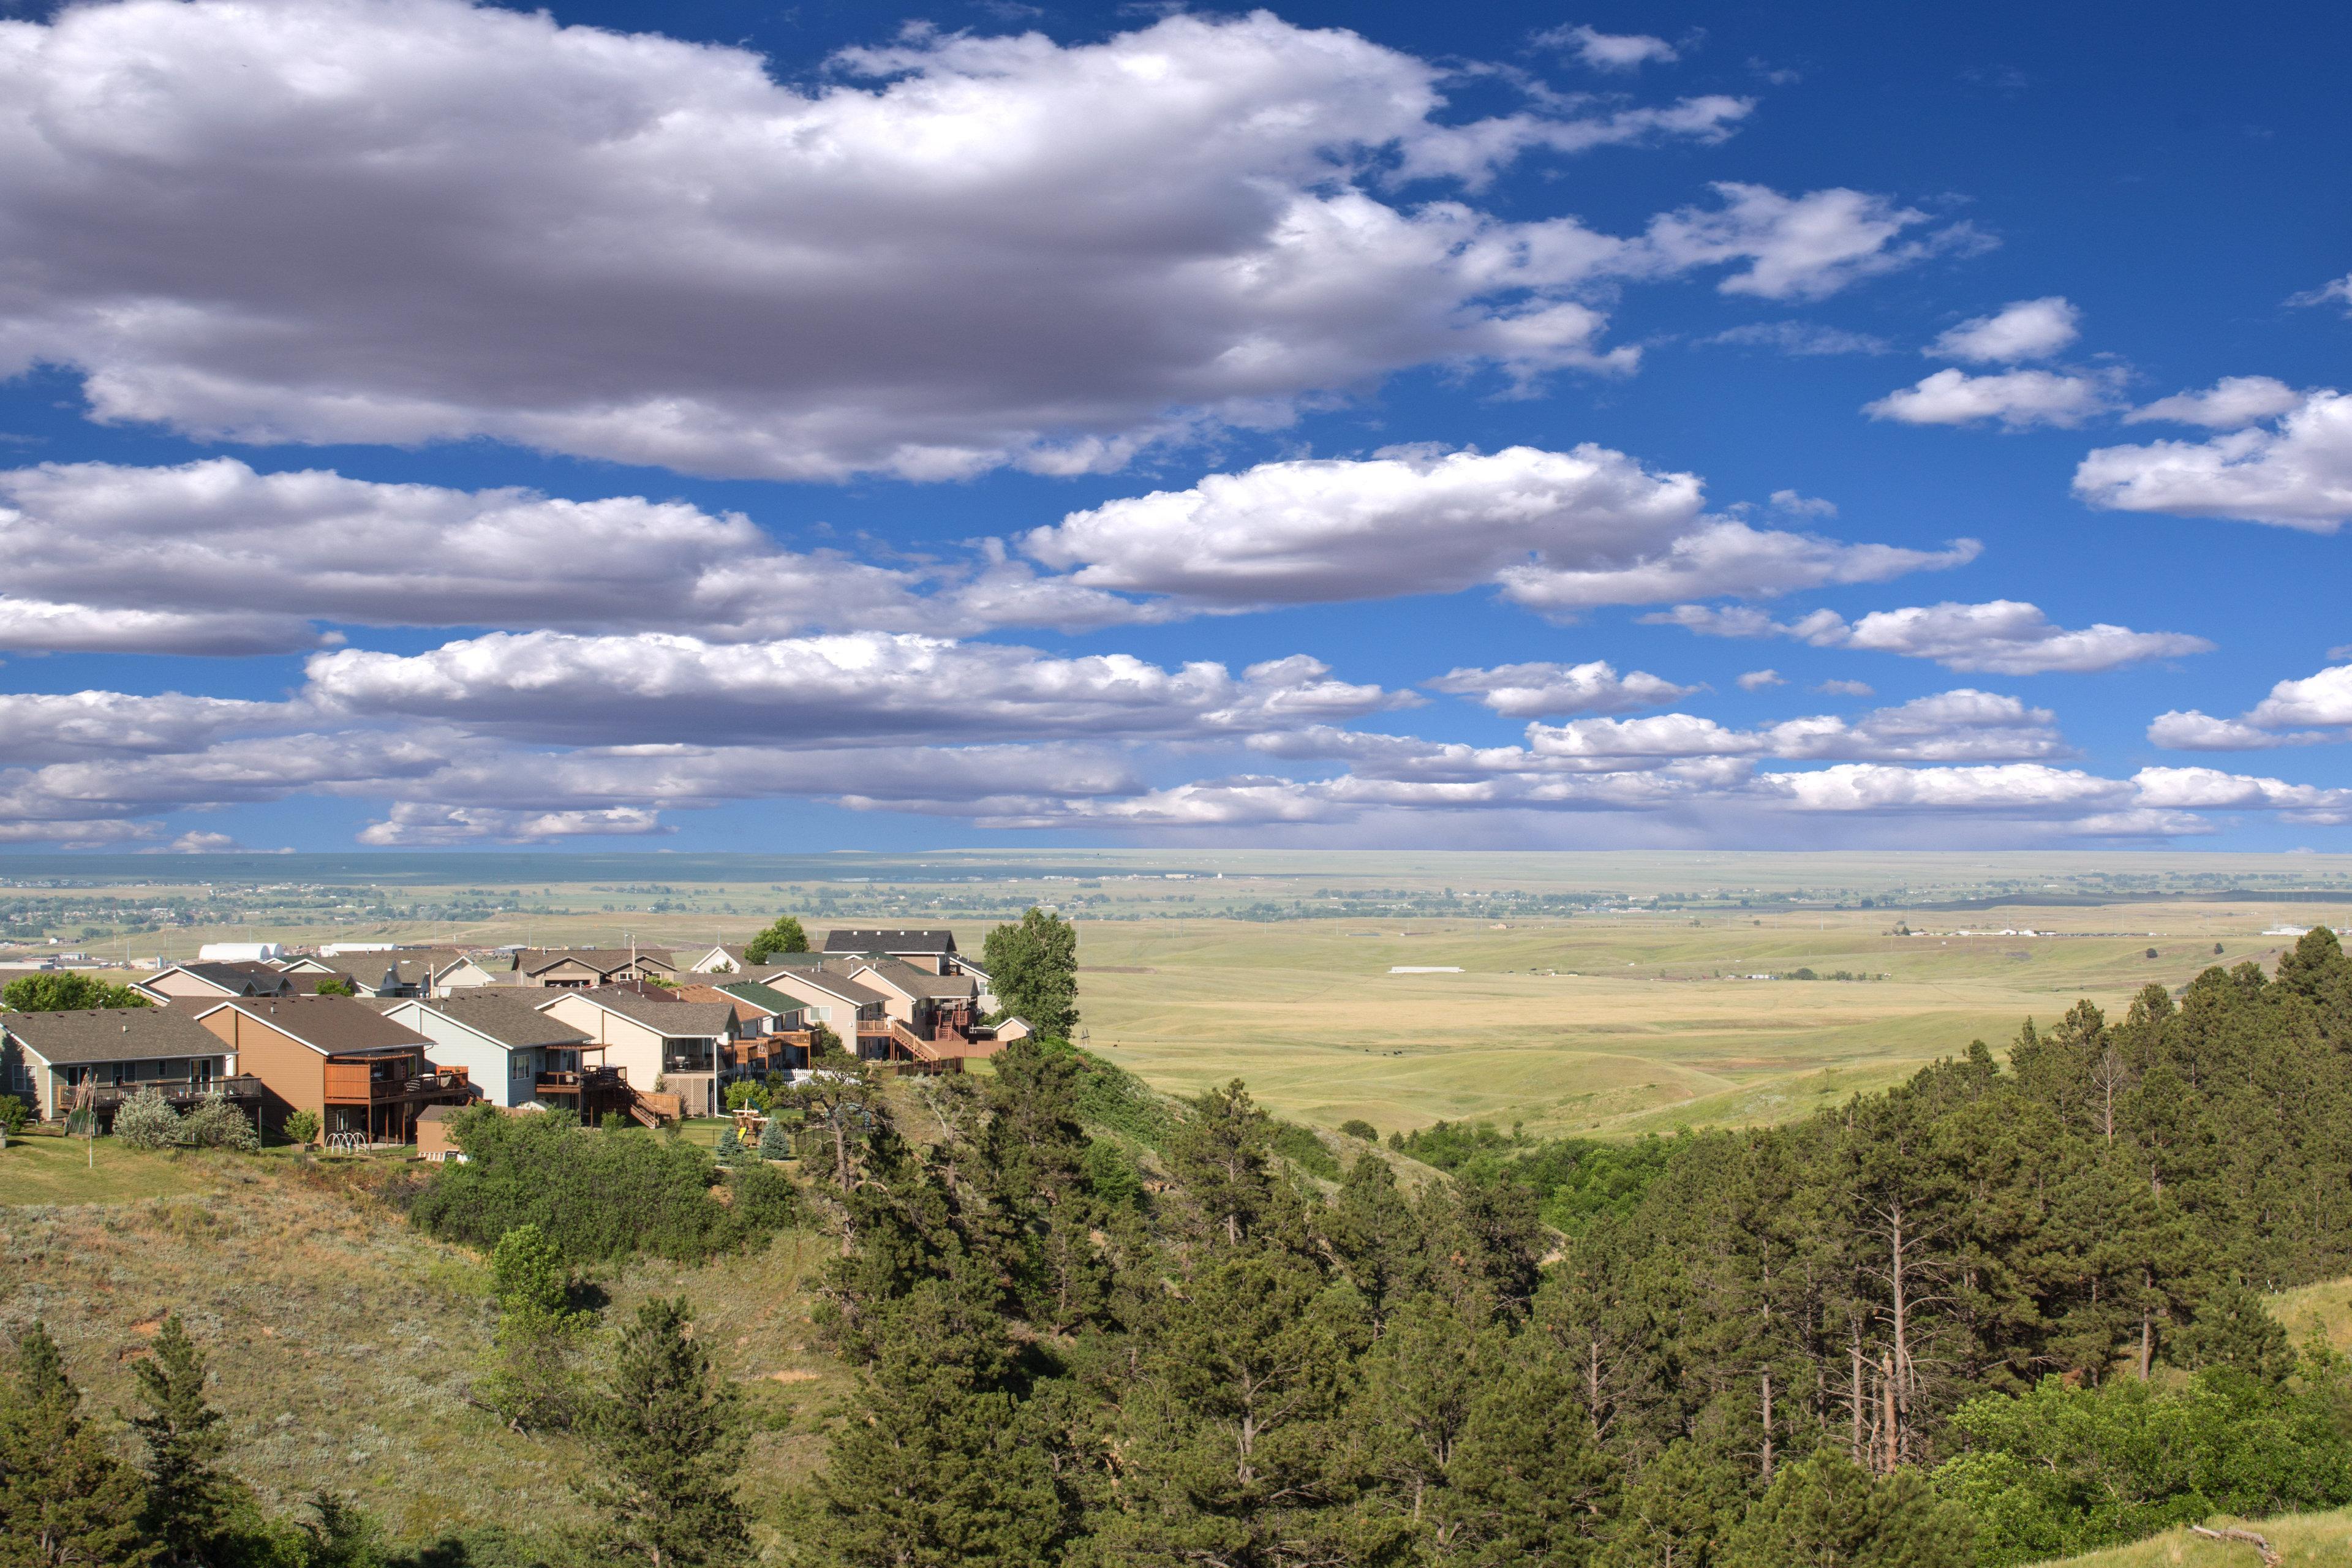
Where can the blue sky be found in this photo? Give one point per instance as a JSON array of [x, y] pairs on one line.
[[725, 426]]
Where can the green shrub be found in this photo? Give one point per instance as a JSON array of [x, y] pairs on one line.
[[1356, 1127], [302, 1126], [147, 1121], [765, 1201], [2063, 1470], [748, 1095], [730, 1146], [1111, 1097], [214, 1123], [599, 1200], [14, 1113], [1302, 1148]]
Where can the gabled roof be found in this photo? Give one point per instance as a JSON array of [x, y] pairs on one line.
[[112, 1035], [831, 983], [602, 960], [911, 980], [871, 940], [674, 1020], [332, 1025], [234, 979], [765, 999], [749, 1001], [504, 1017]]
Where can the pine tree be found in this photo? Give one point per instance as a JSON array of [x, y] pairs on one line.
[[1377, 1235], [941, 1465], [668, 1438], [193, 1508], [775, 1142], [1236, 1444], [1828, 1512], [1223, 1155], [1678, 1512], [64, 1497]]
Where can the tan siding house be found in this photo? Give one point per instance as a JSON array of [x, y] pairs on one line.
[[676, 1047], [361, 1073]]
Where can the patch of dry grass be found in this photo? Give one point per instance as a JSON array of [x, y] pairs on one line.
[[342, 1343], [2302, 1540]]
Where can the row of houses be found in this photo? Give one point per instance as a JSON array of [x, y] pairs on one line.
[[629, 1032]]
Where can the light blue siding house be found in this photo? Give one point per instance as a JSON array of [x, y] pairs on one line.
[[513, 1052]]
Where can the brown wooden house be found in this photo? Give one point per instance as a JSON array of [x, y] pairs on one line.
[[364, 1074]]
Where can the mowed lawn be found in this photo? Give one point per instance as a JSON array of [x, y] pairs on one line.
[[46, 1169], [1603, 1025]]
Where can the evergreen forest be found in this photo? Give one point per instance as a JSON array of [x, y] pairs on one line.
[[2008, 1311]]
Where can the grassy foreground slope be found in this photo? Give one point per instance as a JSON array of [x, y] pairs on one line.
[[342, 1342], [2301, 1539]]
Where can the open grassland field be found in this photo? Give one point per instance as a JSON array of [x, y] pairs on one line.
[[2302, 1541], [342, 1343], [1600, 993], [1610, 1023]]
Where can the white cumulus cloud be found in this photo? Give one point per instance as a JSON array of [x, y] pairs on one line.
[[855, 688], [402, 221], [1551, 690], [2231, 402], [2004, 636], [2026, 330], [2018, 399], [1610, 51], [1797, 248], [1558, 531], [2296, 473]]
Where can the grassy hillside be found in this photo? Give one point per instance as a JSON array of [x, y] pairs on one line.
[[2302, 1541], [342, 1343]]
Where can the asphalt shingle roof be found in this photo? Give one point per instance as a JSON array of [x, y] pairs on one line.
[[112, 1035], [338, 1026], [507, 1017], [869, 939], [604, 960], [689, 1020]]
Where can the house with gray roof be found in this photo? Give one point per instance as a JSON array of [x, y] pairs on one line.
[[661, 1044], [516, 1052], [103, 1056], [931, 949]]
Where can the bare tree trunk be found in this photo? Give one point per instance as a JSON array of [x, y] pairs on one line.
[[1899, 1372], [1593, 1384], [2271, 1558], [1890, 1444], [1854, 1399], [1768, 1426]]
